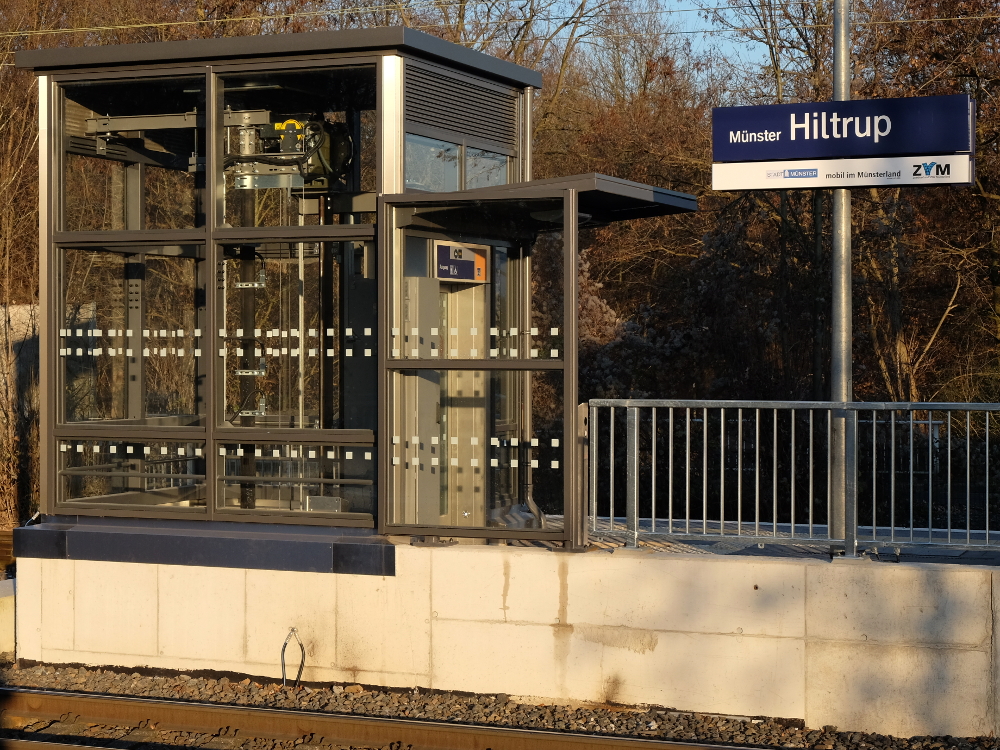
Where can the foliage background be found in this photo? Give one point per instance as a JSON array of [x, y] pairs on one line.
[[731, 302]]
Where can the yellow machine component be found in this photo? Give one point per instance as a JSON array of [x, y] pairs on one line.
[[292, 134], [295, 125]]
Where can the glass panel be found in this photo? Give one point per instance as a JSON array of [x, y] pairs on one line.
[[498, 298], [467, 453], [484, 168], [299, 328], [298, 148], [328, 479], [431, 165], [134, 154], [164, 474], [130, 337], [168, 201]]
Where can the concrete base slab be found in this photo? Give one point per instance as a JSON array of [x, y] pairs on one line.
[[896, 649]]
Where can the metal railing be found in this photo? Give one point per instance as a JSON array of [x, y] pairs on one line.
[[914, 473]]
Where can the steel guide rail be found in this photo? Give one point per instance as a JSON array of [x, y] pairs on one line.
[[290, 724]]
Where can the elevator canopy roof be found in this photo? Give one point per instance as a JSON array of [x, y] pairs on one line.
[[397, 38], [602, 198], [527, 208]]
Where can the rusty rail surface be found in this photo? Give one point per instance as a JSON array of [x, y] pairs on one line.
[[11, 744], [283, 724]]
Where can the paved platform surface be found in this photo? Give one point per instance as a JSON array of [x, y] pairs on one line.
[[881, 553]]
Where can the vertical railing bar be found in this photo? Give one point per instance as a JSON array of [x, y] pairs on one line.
[[812, 470], [851, 484], [739, 472], [913, 520], [774, 473], [791, 414], [892, 475], [722, 471], [968, 477], [874, 474], [704, 470], [611, 472], [632, 477], [687, 472], [652, 489], [670, 471], [593, 468], [756, 471], [829, 473], [987, 492], [930, 475], [948, 417]]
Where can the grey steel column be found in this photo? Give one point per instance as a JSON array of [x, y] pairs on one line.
[[524, 151], [841, 380]]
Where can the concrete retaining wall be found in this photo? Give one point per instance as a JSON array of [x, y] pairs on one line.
[[866, 646], [7, 617]]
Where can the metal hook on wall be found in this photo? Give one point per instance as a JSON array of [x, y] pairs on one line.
[[302, 663]]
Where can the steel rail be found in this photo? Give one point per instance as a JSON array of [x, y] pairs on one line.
[[286, 724], [13, 744]]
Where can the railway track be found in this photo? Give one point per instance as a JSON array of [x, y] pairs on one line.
[[315, 728]]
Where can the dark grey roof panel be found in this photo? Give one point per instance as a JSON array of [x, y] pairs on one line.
[[314, 42], [605, 198]]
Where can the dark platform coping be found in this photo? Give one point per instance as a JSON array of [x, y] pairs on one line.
[[213, 544]]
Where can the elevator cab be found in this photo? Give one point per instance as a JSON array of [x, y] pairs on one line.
[[475, 364]]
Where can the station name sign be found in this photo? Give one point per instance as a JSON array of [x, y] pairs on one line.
[[910, 141], [854, 129]]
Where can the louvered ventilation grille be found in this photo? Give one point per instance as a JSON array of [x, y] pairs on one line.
[[437, 101]]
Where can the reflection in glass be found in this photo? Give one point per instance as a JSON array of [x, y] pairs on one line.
[[461, 300], [168, 200], [484, 168], [431, 165], [327, 479], [477, 448], [298, 147], [165, 474], [134, 154], [130, 337], [299, 338]]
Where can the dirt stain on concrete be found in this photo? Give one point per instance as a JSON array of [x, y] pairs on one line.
[[639, 641], [562, 630], [612, 688], [506, 586]]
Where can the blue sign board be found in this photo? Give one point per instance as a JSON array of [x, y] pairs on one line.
[[466, 263], [853, 129]]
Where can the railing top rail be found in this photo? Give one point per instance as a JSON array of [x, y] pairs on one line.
[[642, 403], [714, 404]]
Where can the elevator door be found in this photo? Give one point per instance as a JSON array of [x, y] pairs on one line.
[[466, 458], [464, 401]]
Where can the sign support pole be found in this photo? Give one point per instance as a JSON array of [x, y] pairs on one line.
[[811, 145], [842, 380]]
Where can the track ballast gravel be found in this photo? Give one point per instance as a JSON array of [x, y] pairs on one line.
[[483, 709]]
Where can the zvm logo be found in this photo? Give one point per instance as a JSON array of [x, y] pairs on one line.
[[940, 170]]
